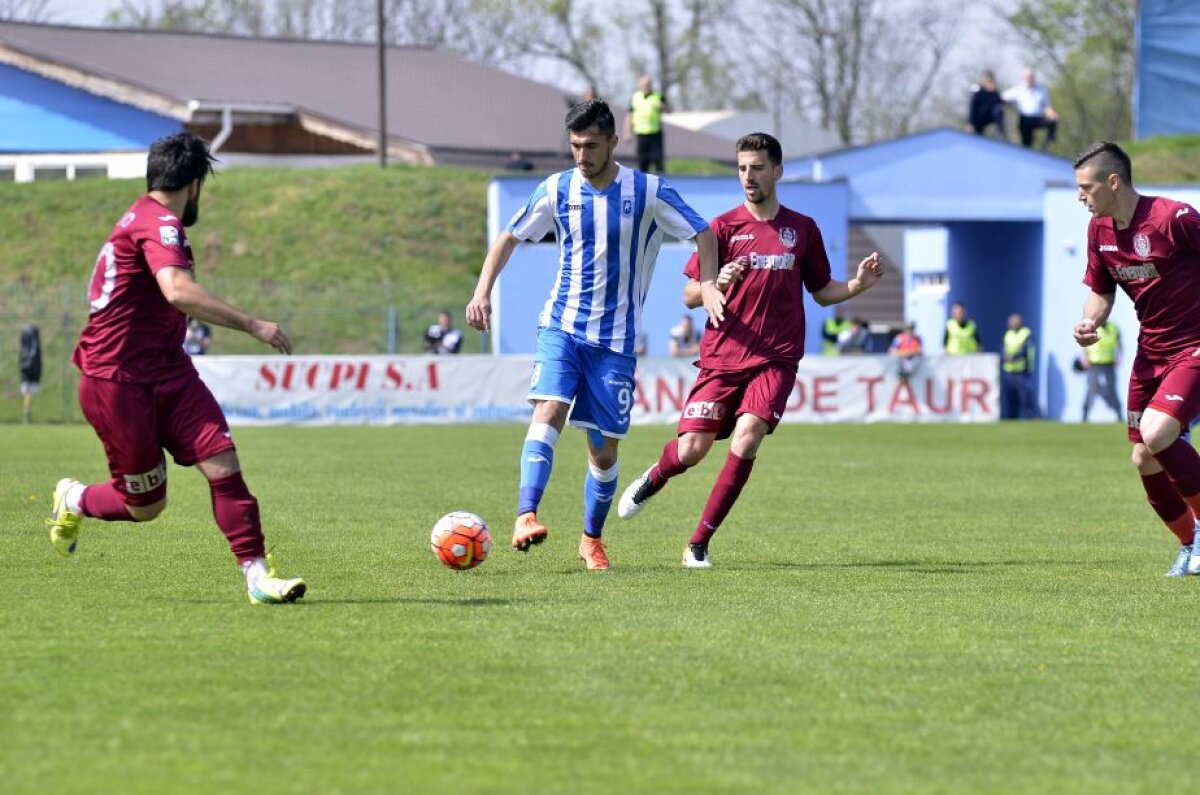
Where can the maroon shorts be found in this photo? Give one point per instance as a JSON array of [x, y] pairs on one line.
[[719, 397], [1172, 387], [135, 422]]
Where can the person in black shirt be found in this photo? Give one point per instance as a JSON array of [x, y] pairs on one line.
[[987, 107], [31, 369]]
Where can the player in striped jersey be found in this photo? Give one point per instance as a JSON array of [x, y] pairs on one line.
[[609, 221]]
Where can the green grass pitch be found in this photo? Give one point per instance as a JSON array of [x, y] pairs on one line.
[[892, 609]]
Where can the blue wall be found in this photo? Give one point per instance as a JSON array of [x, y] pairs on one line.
[[1167, 83], [40, 115], [995, 269], [525, 282]]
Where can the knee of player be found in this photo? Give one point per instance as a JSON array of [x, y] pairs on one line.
[[147, 513], [1144, 460], [693, 447]]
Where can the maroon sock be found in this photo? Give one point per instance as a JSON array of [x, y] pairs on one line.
[[1165, 500], [729, 484], [236, 512], [668, 466], [103, 501], [1183, 466]]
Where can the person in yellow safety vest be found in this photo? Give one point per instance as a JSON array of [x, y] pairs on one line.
[[962, 335], [834, 325], [1100, 363], [644, 123], [1016, 380]]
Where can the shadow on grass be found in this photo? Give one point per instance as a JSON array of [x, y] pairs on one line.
[[927, 566], [443, 601]]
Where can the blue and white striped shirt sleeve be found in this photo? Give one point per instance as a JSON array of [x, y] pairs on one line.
[[536, 219], [675, 216]]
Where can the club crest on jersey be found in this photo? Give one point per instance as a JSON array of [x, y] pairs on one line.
[[1141, 244], [169, 235], [787, 236], [627, 207]]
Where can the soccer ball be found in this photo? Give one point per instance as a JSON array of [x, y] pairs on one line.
[[460, 540]]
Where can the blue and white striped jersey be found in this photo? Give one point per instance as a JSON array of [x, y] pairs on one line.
[[607, 243]]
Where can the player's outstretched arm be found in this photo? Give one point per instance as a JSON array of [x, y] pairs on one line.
[[870, 271], [479, 310], [1096, 310], [181, 290]]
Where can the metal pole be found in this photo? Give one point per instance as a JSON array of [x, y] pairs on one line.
[[381, 52]]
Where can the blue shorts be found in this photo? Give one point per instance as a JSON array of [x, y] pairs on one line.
[[597, 380]]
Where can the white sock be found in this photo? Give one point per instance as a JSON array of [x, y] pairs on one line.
[[254, 570], [75, 497]]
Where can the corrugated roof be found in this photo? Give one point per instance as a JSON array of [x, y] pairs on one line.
[[435, 98]]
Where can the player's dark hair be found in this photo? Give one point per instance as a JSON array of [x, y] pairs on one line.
[[1107, 158], [758, 142], [176, 160], [592, 113]]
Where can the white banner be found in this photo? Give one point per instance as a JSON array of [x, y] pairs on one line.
[[399, 390]]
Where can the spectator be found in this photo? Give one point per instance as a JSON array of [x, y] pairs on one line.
[[685, 340], [833, 326], [906, 348], [518, 162], [1016, 382], [644, 123], [1099, 361], [1034, 109], [962, 335], [855, 338], [442, 337], [197, 338], [987, 107], [30, 361]]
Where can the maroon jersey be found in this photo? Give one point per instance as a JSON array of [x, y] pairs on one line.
[[133, 334], [764, 313], [1156, 261]]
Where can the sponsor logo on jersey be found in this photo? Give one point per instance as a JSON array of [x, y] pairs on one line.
[[575, 207], [147, 481], [169, 235], [167, 218], [1109, 247], [736, 238], [126, 220], [773, 262], [627, 207], [1141, 244], [1128, 273], [704, 410], [787, 236]]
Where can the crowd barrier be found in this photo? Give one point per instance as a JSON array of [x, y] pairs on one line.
[[399, 390]]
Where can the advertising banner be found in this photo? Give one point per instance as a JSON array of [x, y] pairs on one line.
[[398, 390]]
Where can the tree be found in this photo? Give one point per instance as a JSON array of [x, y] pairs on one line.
[[865, 67], [24, 10], [1087, 45]]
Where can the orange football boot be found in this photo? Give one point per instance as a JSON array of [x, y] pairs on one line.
[[591, 552], [528, 531]]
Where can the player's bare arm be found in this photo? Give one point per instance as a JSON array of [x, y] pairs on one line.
[[1095, 314], [182, 291], [711, 296], [870, 271], [479, 310], [730, 272]]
